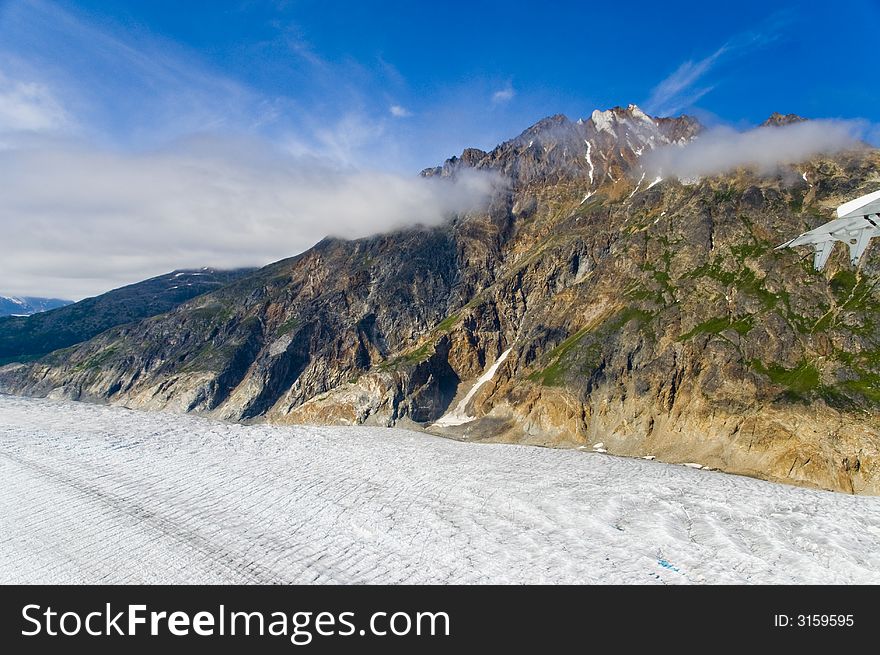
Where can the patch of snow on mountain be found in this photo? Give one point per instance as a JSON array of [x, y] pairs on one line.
[[589, 159], [459, 415], [603, 120], [641, 179], [638, 113]]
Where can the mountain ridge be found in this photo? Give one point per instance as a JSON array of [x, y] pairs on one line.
[[27, 305], [653, 317], [27, 338], [604, 147]]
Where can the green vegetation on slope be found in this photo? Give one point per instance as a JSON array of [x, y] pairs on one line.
[[582, 352], [28, 338]]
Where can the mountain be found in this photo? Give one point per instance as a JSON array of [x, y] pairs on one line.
[[27, 305], [601, 150], [24, 338], [778, 120], [644, 317]]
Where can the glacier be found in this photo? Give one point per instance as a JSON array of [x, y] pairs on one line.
[[99, 494]]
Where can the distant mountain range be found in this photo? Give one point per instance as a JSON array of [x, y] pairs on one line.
[[639, 315], [27, 305], [28, 337]]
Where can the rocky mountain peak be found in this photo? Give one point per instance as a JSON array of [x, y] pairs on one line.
[[602, 149], [545, 124], [471, 156], [777, 120], [610, 119]]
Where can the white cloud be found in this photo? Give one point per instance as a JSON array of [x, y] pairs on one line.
[[685, 86], [723, 149], [78, 220], [503, 95], [119, 204], [677, 91], [28, 106], [130, 86], [346, 140]]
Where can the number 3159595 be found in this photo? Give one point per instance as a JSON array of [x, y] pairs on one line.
[[814, 620]]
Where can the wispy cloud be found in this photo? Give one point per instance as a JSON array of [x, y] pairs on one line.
[[131, 88], [134, 89], [344, 141], [688, 83], [122, 158], [505, 95], [679, 90], [82, 219], [29, 106], [764, 149]]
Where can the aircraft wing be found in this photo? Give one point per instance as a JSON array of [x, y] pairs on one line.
[[857, 246], [863, 206], [823, 251], [856, 232], [837, 230], [857, 222]]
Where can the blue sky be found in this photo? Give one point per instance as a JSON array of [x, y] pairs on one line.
[[141, 136], [324, 76]]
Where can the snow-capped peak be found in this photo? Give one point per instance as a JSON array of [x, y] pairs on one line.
[[638, 113], [27, 305], [603, 120]]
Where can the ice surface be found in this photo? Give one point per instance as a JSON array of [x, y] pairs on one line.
[[103, 494]]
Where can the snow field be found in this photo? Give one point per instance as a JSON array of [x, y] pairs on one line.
[[96, 494]]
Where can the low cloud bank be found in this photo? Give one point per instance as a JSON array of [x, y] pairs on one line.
[[78, 221], [722, 149]]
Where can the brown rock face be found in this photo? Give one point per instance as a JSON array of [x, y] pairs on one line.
[[655, 318], [776, 119]]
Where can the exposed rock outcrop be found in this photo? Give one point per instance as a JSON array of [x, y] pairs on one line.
[[652, 316]]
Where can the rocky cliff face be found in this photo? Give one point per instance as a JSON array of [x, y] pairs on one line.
[[605, 149], [652, 316]]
